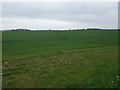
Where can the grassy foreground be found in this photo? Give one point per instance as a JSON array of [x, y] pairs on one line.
[[60, 59]]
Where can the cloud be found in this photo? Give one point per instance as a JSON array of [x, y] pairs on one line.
[[80, 13], [60, 0], [38, 23]]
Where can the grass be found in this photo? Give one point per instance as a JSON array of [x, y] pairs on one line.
[[60, 59]]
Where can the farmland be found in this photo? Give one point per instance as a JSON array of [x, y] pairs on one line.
[[60, 59]]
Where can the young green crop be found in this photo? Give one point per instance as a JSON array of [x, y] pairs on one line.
[[60, 59]]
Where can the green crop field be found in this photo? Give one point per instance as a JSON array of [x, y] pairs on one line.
[[60, 59]]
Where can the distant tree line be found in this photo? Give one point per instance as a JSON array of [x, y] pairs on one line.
[[56, 30], [20, 30]]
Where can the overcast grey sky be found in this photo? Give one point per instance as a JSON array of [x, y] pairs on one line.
[[59, 15]]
